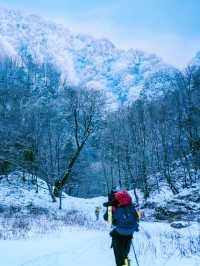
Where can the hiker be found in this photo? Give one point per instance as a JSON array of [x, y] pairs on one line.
[[97, 212], [124, 218]]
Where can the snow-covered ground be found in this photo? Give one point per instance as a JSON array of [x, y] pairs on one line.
[[51, 240], [82, 247]]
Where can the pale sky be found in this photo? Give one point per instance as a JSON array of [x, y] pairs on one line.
[[169, 28]]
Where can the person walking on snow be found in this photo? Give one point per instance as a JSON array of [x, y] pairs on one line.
[[97, 212], [124, 218]]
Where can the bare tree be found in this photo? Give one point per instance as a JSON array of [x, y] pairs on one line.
[[85, 116]]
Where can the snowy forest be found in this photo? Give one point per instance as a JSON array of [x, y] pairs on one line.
[[84, 127], [49, 128]]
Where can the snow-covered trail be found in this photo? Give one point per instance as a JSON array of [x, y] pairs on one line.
[[81, 247], [73, 245]]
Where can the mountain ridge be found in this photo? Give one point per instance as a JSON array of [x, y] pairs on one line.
[[82, 59]]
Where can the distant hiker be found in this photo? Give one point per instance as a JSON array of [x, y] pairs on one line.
[[97, 212], [124, 218]]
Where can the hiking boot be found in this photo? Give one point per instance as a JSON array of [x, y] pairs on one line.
[[127, 262]]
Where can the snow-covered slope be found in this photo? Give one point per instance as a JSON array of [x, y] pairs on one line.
[[17, 193], [84, 60]]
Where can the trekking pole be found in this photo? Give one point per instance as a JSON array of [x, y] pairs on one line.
[[135, 254]]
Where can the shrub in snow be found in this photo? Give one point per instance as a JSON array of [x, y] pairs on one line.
[[74, 217], [14, 228], [36, 210], [21, 224]]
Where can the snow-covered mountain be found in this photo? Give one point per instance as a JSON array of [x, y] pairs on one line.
[[83, 60]]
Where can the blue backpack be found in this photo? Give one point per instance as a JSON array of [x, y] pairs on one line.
[[125, 221]]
